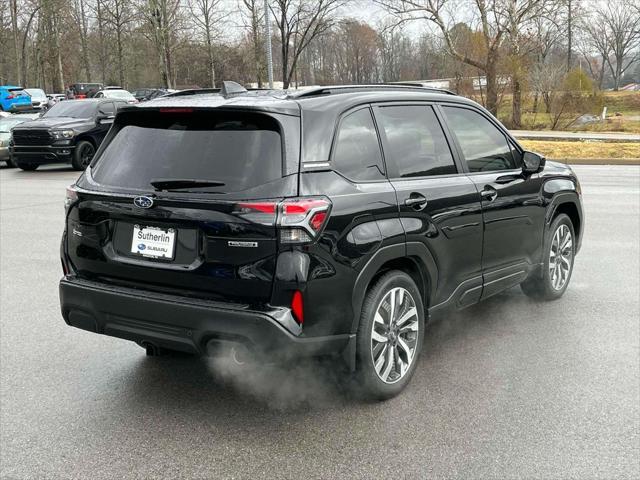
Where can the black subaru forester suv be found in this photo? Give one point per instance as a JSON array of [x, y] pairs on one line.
[[334, 220]]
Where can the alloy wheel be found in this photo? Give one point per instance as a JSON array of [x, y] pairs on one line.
[[394, 335], [560, 257], [86, 155]]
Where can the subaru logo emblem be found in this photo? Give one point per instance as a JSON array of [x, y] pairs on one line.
[[142, 246], [143, 202]]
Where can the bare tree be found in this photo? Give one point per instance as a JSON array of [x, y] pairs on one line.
[[623, 33], [206, 15], [162, 17], [492, 35], [253, 18], [299, 22], [117, 18], [79, 13]]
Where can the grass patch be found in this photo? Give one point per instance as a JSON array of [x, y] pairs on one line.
[[625, 104], [579, 150]]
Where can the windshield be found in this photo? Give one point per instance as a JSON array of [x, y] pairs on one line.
[[36, 92], [6, 124], [239, 151], [72, 108]]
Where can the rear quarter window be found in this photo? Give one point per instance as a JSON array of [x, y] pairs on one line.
[[239, 150]]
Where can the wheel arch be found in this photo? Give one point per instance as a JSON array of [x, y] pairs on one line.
[[569, 204], [413, 258]]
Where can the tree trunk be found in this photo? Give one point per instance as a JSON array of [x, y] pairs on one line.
[[492, 88], [121, 76], [56, 36], [535, 103], [16, 41], [83, 43], [101, 49], [212, 71], [516, 111]]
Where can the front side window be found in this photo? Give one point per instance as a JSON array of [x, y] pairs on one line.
[[357, 152], [415, 141], [484, 146]]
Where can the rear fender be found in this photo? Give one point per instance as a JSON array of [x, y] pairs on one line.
[[418, 252]]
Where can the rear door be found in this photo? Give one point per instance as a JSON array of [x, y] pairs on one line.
[[512, 210], [213, 239], [439, 206]]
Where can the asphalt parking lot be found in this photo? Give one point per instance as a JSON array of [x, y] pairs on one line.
[[508, 388]]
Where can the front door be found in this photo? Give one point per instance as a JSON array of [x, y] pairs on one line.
[[439, 206], [511, 202]]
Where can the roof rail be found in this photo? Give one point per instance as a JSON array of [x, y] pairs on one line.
[[335, 89]]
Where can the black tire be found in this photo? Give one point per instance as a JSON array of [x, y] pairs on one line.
[[10, 163], [82, 155], [28, 167], [542, 285], [369, 382]]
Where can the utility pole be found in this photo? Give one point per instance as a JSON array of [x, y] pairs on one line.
[[267, 32], [569, 35]]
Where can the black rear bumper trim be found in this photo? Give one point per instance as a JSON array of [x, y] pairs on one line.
[[177, 323]]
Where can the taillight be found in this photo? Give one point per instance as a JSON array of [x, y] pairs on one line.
[[297, 307], [71, 197], [299, 220], [302, 219], [263, 213], [10, 97]]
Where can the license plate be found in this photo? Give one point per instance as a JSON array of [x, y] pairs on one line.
[[153, 242]]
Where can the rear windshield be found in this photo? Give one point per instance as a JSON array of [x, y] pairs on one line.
[[238, 151]]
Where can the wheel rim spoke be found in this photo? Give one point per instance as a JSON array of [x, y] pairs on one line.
[[412, 312], [389, 363], [378, 337]]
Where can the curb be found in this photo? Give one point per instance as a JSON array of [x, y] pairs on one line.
[[598, 161], [543, 138]]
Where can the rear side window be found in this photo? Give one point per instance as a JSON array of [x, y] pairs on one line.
[[238, 151], [414, 140], [484, 146], [357, 152]]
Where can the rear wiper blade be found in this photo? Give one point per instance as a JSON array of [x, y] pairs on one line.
[[181, 183]]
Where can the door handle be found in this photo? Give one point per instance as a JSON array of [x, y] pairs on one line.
[[489, 194], [416, 201]]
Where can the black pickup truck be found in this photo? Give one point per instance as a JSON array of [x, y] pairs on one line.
[[70, 131]]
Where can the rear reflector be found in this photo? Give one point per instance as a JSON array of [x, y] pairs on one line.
[[297, 307]]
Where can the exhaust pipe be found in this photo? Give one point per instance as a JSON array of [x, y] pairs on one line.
[[152, 349], [236, 352]]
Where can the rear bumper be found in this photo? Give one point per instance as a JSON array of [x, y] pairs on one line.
[[19, 107], [41, 154], [4, 154], [186, 324]]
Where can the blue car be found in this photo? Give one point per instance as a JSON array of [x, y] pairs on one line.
[[14, 99]]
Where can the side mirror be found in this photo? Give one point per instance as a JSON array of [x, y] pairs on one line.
[[532, 162], [104, 118]]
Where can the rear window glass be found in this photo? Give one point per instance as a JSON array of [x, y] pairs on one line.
[[237, 151]]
